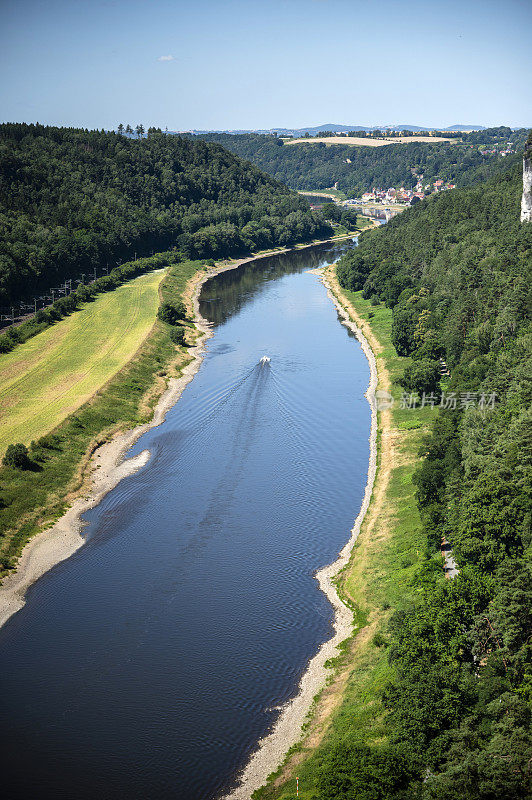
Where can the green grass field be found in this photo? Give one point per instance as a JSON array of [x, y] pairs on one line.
[[330, 194], [51, 375]]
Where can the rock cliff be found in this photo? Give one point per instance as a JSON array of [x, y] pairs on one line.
[[526, 200]]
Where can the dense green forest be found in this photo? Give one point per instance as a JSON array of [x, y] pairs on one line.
[[358, 169], [73, 200], [457, 272]]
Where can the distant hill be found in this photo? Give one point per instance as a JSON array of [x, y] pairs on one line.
[[286, 131], [466, 128], [358, 169], [330, 126]]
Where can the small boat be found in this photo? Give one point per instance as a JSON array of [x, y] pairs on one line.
[[265, 360]]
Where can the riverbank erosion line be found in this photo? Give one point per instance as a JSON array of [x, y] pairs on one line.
[[377, 580], [287, 730], [55, 533]]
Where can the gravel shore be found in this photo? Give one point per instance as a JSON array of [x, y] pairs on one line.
[[107, 466], [286, 731]]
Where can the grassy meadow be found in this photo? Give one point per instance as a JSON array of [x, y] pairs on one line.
[[51, 375]]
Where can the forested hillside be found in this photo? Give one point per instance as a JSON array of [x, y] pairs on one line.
[[457, 271], [358, 169], [73, 199]]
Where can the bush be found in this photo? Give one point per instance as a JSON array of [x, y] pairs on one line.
[[16, 456], [6, 344], [172, 314], [352, 771], [177, 335], [43, 315], [84, 293], [65, 305], [54, 313], [107, 283], [421, 376], [13, 334]]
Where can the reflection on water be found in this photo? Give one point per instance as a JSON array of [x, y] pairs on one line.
[[151, 662], [224, 295]]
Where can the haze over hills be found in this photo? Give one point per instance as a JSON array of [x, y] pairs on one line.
[[337, 128]]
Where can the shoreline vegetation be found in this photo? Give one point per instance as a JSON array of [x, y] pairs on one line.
[[90, 445], [431, 697], [366, 584], [287, 730]]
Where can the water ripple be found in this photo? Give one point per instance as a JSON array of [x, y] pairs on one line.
[[167, 645]]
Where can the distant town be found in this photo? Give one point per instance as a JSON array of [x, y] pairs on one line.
[[391, 196], [402, 195]]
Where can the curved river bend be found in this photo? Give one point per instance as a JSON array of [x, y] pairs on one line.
[[151, 662]]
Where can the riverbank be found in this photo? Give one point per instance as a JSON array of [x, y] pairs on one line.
[[376, 579], [286, 732], [56, 532], [105, 470]]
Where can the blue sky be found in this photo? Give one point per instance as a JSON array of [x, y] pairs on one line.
[[245, 64]]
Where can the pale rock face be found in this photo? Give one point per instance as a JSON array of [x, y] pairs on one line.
[[526, 200]]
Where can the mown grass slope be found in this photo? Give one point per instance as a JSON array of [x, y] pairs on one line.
[[48, 377]]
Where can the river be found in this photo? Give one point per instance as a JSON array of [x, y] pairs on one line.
[[152, 661]]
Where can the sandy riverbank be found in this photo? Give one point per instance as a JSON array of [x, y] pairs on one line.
[[108, 466], [286, 732]]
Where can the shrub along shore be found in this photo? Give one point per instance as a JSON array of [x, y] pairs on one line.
[[378, 579], [433, 702]]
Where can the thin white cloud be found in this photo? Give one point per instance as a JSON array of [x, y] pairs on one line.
[[166, 58]]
